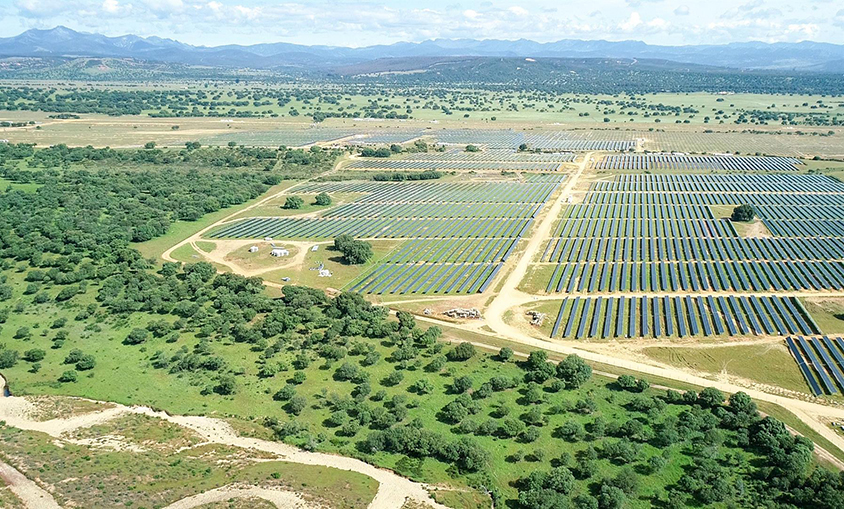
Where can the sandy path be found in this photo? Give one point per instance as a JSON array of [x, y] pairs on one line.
[[278, 497], [32, 495], [393, 489]]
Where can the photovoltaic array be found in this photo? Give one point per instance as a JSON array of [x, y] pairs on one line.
[[644, 255], [821, 360], [456, 235], [681, 162], [490, 160]]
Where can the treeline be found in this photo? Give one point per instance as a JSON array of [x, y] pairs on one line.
[[93, 212], [399, 176], [596, 76], [193, 155]]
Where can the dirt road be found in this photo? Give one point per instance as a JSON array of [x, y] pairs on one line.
[[32, 495], [278, 497]]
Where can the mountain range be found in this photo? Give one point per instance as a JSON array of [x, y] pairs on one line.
[[67, 43]]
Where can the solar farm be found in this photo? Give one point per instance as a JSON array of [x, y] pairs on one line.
[[694, 163], [455, 235], [488, 160], [646, 256], [641, 250]]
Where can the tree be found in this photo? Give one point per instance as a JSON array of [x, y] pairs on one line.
[[297, 404], [34, 355], [322, 199], [149, 145], [472, 148], [610, 497], [461, 384], [136, 337], [86, 362], [711, 397], [573, 371], [571, 431], [462, 352], [226, 385], [293, 203], [743, 213], [68, 376], [8, 358], [355, 252], [505, 354], [422, 386]]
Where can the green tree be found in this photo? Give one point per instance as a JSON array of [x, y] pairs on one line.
[[293, 203], [34, 355], [322, 199], [8, 358], [743, 213], [462, 352], [573, 371]]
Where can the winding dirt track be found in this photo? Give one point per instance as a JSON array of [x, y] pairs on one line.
[[32, 495], [393, 490], [278, 497]]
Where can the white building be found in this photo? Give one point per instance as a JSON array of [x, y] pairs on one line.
[[279, 251], [253, 249]]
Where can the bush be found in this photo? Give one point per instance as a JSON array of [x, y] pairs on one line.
[[68, 376], [226, 385]]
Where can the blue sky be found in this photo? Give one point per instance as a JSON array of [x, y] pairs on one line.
[[361, 23]]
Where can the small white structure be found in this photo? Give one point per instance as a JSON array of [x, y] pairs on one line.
[[253, 249], [279, 251], [268, 239], [324, 273], [315, 248]]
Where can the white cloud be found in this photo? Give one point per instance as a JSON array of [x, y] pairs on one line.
[[806, 29], [362, 22], [630, 23], [111, 6]]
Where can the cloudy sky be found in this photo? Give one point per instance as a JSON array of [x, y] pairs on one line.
[[360, 23]]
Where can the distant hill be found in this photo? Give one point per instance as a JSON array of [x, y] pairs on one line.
[[64, 42]]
